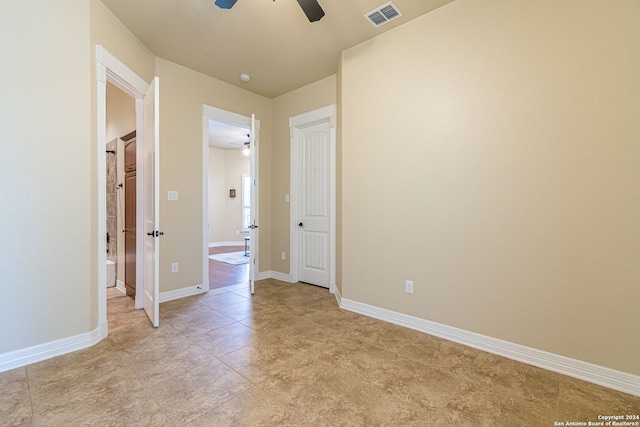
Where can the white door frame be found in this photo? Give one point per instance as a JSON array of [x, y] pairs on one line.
[[324, 114], [224, 116], [111, 69]]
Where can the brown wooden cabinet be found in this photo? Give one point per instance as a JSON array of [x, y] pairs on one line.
[[130, 213]]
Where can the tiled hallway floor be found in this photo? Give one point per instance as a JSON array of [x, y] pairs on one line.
[[287, 356]]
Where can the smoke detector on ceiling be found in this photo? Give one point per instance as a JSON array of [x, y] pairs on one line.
[[385, 13]]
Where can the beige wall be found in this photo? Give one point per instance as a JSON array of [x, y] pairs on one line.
[[45, 172], [339, 179], [497, 167], [108, 31], [226, 168], [307, 98], [217, 188], [182, 94], [121, 113]]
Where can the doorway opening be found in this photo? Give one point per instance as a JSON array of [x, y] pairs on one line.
[[111, 70], [230, 198], [120, 198], [229, 205]]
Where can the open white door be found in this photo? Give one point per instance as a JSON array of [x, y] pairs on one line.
[[253, 145], [151, 201]]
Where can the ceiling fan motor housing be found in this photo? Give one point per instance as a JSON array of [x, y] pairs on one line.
[[311, 8]]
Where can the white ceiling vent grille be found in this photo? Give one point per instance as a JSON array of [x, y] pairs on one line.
[[385, 13]]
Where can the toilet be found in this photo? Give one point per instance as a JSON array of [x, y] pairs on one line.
[[111, 273]]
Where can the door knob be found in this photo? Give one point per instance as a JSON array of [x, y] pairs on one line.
[[301, 225]]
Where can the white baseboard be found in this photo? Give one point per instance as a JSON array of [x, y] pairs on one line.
[[234, 243], [38, 353], [181, 293], [120, 286], [270, 274], [280, 276], [606, 377], [338, 296]]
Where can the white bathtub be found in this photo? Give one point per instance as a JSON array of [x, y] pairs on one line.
[[111, 273]]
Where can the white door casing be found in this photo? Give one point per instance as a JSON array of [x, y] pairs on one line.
[[151, 203], [313, 197], [111, 69], [253, 227]]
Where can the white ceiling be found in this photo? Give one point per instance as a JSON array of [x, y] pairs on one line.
[[226, 136], [270, 39]]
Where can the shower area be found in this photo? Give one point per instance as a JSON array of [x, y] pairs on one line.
[[114, 191]]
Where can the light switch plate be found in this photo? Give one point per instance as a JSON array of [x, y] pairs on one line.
[[172, 195]]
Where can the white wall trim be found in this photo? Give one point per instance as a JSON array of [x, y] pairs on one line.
[[338, 296], [606, 377], [111, 69], [310, 117], [270, 274], [120, 75], [120, 286], [229, 243], [182, 293], [205, 199], [38, 353], [220, 115]]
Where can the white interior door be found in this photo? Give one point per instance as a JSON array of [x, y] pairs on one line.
[[313, 220], [151, 202], [253, 145]]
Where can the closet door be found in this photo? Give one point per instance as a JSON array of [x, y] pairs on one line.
[[130, 214]]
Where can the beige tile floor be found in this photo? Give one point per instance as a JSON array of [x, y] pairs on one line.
[[287, 356]]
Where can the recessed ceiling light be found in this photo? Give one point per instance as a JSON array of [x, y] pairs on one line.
[[245, 77]]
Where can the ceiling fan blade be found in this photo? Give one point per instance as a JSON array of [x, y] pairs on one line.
[[225, 4], [312, 9]]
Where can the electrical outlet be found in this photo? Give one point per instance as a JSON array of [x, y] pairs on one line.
[[174, 267], [283, 255], [408, 286]]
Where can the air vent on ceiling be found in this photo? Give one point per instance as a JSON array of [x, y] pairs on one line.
[[385, 13]]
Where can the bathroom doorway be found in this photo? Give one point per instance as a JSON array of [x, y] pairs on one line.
[[121, 195]]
